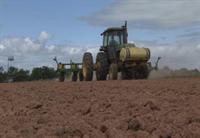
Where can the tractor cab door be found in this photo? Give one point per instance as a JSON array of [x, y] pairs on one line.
[[112, 42]]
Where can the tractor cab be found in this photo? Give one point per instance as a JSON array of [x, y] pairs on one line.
[[115, 36]]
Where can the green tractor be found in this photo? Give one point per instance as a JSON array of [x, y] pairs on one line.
[[117, 55], [75, 70]]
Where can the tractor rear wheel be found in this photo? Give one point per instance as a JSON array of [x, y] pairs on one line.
[[113, 72], [101, 66], [87, 66]]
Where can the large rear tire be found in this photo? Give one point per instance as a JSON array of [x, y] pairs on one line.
[[113, 72], [87, 66], [101, 66]]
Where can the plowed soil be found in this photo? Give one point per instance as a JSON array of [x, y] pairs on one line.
[[161, 108]]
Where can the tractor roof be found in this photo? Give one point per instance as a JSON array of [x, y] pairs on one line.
[[113, 29]]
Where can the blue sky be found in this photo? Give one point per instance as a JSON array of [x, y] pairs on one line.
[[34, 31], [60, 18]]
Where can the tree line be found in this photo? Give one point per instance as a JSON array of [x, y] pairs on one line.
[[39, 73]]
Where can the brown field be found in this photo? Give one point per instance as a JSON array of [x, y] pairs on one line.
[[159, 108]]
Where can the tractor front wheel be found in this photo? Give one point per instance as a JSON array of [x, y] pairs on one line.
[[113, 72], [87, 66], [101, 66]]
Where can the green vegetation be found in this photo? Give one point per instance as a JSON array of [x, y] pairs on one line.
[[43, 73], [3, 77], [39, 73]]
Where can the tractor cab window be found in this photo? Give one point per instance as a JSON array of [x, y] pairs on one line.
[[105, 40], [114, 38], [122, 38]]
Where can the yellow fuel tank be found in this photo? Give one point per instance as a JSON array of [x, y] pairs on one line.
[[135, 54]]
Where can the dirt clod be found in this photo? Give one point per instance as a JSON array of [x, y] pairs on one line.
[[152, 106], [35, 105], [134, 125], [103, 128]]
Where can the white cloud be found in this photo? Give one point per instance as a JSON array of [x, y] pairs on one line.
[[2, 47], [73, 50], [21, 45], [44, 37], [198, 47], [94, 51], [30, 53], [50, 48], [148, 13]]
